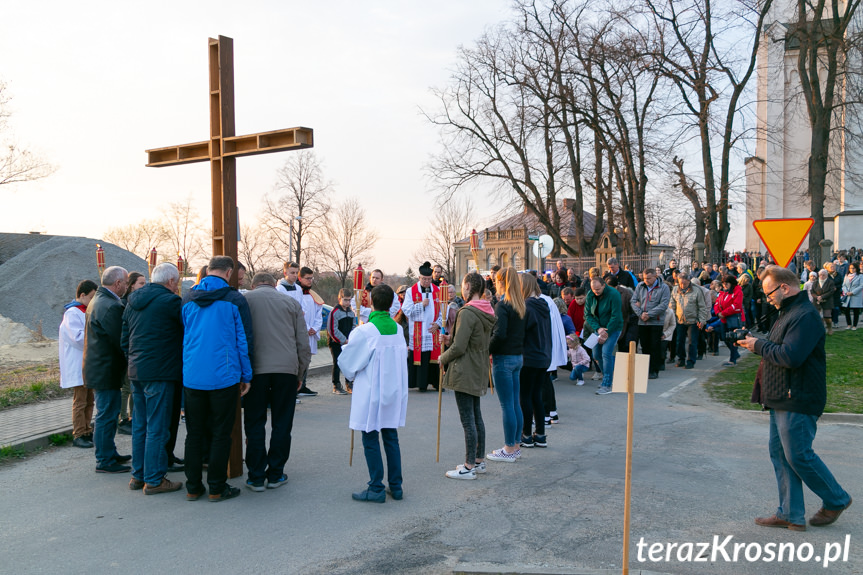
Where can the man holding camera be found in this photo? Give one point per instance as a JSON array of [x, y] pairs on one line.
[[792, 384]]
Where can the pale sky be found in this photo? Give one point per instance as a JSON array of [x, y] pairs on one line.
[[94, 84]]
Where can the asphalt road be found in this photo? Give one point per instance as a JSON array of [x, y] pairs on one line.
[[700, 470]]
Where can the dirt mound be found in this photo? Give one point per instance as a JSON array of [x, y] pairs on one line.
[[36, 283], [12, 332]]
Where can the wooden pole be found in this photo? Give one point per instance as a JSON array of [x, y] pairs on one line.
[[630, 404], [351, 458]]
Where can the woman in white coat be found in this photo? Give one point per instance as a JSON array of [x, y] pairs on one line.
[[71, 358]]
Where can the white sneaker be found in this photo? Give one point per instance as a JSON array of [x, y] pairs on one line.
[[479, 467], [579, 382], [502, 455], [461, 472], [596, 376]]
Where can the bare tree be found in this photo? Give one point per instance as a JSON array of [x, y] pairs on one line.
[[299, 201], [820, 31], [253, 248], [452, 223], [138, 238], [184, 232], [345, 240], [17, 164], [710, 75]]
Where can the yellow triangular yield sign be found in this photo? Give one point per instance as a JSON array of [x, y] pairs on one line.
[[783, 237]]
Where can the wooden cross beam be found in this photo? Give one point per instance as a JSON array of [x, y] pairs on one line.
[[222, 150]]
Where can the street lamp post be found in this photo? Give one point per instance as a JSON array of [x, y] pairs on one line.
[[291, 237]]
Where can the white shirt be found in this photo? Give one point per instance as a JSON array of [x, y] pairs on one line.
[[558, 335], [366, 311], [314, 318], [72, 348], [297, 293], [377, 364]]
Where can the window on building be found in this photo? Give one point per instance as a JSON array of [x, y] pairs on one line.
[[516, 261], [492, 261], [504, 260]]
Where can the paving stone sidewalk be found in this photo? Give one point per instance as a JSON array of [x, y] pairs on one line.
[[31, 426]]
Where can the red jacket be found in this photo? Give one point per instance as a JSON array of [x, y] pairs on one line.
[[729, 304], [576, 314]]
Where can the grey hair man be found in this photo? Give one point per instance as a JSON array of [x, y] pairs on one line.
[[624, 278], [152, 339], [104, 366], [689, 304], [281, 354], [792, 384]]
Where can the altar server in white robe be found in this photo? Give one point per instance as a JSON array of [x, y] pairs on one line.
[[375, 358]]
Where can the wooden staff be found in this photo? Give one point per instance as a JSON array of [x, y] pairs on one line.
[[351, 457], [630, 406], [444, 302], [100, 259]]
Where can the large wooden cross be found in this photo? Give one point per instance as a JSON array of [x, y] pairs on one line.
[[222, 150]]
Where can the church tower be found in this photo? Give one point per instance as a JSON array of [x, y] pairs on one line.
[[777, 176]]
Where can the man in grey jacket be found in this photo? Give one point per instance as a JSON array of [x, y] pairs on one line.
[[650, 304], [689, 304], [280, 356]]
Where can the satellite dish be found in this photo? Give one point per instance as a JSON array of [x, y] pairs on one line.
[[543, 246]]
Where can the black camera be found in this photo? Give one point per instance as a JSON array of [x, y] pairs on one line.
[[737, 335]]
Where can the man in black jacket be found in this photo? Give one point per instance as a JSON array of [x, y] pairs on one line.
[[104, 366], [793, 386], [152, 339]]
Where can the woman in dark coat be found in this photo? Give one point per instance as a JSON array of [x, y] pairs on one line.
[[822, 292]]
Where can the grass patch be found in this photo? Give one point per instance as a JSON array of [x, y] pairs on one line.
[[30, 384], [11, 452], [733, 385], [60, 439]]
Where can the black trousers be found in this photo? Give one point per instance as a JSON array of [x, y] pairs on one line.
[[174, 423], [213, 411], [531, 380], [278, 391], [650, 337], [336, 351], [549, 402], [474, 427], [423, 375]]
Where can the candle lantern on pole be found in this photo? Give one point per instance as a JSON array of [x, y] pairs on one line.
[[359, 283], [100, 259], [474, 248], [181, 267], [444, 307], [151, 263]]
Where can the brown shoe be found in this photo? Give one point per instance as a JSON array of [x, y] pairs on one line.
[[826, 516], [136, 485], [166, 486], [774, 521]]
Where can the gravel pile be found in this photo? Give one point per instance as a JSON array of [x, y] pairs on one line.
[[36, 283]]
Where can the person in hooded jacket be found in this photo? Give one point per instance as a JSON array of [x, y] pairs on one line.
[[152, 339], [465, 371], [537, 359], [217, 346]]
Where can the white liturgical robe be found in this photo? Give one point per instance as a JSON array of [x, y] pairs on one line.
[[377, 364]]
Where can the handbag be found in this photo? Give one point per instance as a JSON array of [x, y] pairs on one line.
[[844, 300], [733, 322]]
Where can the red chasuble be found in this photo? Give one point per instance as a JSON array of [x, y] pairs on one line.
[[417, 297]]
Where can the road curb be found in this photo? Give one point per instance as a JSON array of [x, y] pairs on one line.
[[469, 569]]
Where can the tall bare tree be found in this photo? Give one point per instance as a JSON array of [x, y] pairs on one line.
[[453, 222], [17, 164], [345, 239], [299, 201], [710, 74], [820, 31]]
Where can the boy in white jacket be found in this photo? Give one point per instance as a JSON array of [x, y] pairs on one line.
[[71, 358], [375, 358]]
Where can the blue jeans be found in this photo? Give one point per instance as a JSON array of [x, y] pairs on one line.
[[506, 370], [721, 332], [603, 353], [795, 463], [372, 450], [105, 426], [150, 418], [694, 333], [578, 371]]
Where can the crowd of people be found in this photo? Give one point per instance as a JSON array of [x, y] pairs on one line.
[[511, 330]]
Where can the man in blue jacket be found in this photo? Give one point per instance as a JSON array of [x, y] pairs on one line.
[[152, 339], [217, 345], [792, 384]]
